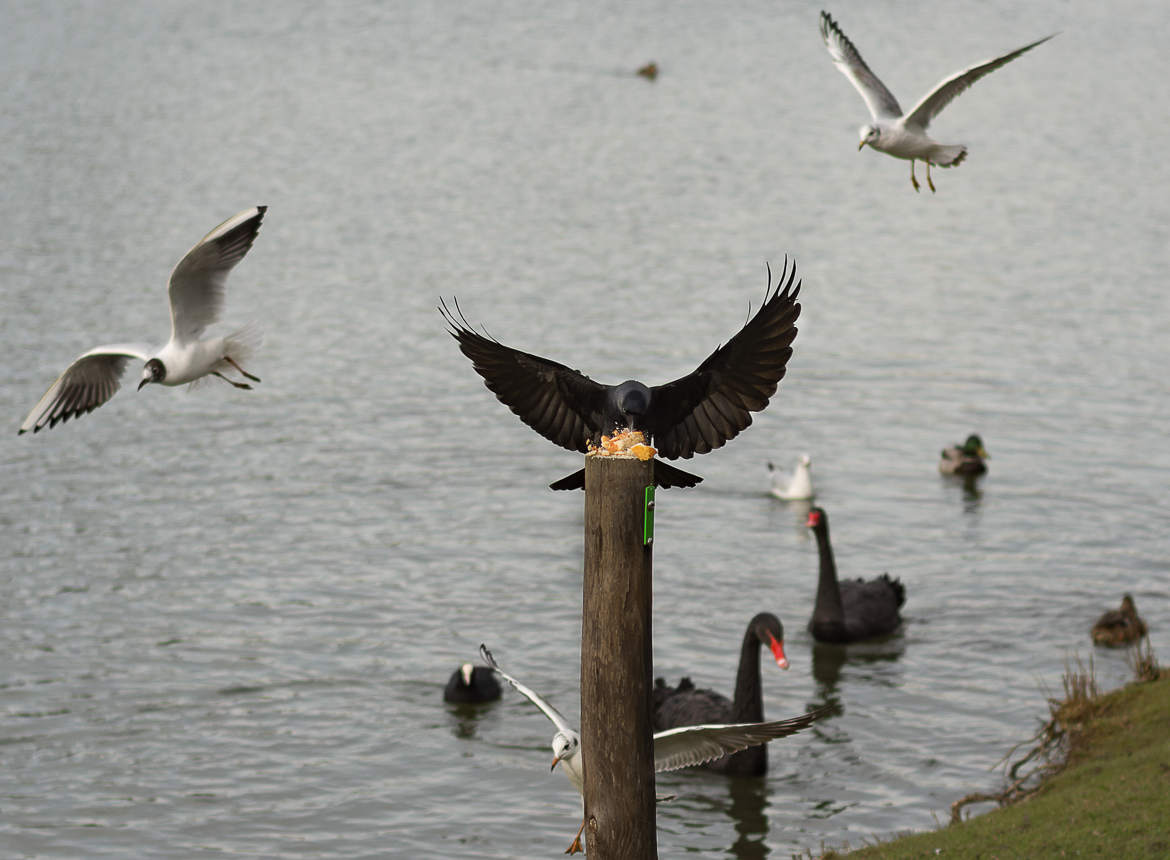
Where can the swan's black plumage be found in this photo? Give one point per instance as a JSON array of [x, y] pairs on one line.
[[694, 414], [854, 609], [471, 684], [685, 705]]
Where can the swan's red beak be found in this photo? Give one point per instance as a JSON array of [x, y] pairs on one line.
[[814, 519], [777, 646]]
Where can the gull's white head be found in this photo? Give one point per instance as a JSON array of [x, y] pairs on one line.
[[565, 746], [154, 371], [870, 134], [805, 460]]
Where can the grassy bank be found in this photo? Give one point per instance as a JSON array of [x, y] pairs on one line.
[[1108, 795]]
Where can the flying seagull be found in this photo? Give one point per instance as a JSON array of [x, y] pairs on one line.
[[692, 415], [197, 298], [893, 132], [674, 749]]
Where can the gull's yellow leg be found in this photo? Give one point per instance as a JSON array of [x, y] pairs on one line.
[[913, 178], [928, 182]]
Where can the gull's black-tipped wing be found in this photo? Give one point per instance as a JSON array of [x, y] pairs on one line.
[[704, 409], [687, 746], [563, 405]]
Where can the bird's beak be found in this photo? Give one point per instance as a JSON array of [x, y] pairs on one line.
[[777, 647], [556, 761], [860, 145], [142, 383], [983, 453]]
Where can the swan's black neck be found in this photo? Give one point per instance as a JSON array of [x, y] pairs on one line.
[[748, 705], [828, 615]]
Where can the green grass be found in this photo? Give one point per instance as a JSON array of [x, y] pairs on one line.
[[1111, 800]]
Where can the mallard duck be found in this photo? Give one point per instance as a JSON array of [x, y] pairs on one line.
[[1119, 626], [799, 486], [965, 459]]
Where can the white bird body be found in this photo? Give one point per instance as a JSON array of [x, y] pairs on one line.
[[677, 748], [797, 488], [903, 135], [197, 296]]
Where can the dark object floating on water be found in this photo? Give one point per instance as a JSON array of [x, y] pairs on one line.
[[965, 459], [675, 707], [855, 609], [471, 685], [649, 71], [1119, 626], [692, 415]]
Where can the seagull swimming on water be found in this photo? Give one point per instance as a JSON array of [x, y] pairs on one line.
[[197, 297], [691, 415], [903, 135], [674, 749]]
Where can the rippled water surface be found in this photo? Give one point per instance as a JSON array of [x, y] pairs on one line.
[[228, 616]]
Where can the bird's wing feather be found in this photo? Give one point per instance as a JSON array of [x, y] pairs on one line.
[[879, 100], [694, 745], [86, 384], [561, 404], [549, 711], [704, 409], [198, 280], [947, 90]]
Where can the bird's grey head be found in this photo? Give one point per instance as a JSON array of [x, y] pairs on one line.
[[154, 371], [870, 134], [632, 399], [565, 745]]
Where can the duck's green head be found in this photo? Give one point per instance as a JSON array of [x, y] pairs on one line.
[[973, 447]]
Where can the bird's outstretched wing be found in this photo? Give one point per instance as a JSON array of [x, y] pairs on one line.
[[946, 91], [549, 711], [563, 405], [91, 380], [704, 409], [198, 281], [688, 746], [881, 102]]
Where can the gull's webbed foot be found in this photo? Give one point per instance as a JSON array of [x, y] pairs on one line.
[[575, 845]]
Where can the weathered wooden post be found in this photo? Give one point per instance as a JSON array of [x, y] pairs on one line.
[[616, 732]]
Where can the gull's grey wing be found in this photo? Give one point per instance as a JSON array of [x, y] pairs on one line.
[[881, 102], [946, 91], [704, 409], [549, 711], [198, 281], [688, 746], [86, 384], [563, 405]]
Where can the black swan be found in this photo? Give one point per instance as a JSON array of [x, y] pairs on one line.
[[965, 459], [685, 705], [472, 684], [854, 609], [1119, 626]]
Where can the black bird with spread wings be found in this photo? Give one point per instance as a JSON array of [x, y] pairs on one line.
[[691, 415]]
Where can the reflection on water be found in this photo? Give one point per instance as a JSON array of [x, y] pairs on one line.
[[749, 796], [464, 718], [829, 659], [972, 492]]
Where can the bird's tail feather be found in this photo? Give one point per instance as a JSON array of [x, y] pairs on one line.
[[948, 156], [665, 476]]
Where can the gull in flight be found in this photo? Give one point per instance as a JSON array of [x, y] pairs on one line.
[[691, 415], [197, 298], [903, 135], [673, 749]]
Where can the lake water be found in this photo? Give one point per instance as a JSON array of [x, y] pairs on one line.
[[228, 616]]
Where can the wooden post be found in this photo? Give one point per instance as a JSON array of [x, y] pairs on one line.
[[616, 732]]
